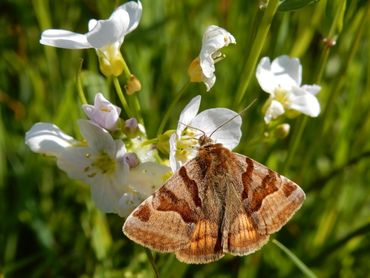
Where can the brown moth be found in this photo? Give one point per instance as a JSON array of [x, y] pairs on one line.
[[219, 202]]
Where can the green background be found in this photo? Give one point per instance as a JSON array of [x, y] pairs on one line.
[[49, 224]]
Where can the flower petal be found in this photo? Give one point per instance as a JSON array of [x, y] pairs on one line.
[[47, 138], [174, 164], [221, 124], [304, 102], [214, 39], [134, 10], [283, 72], [98, 138], [312, 89], [147, 177], [188, 113], [209, 82], [128, 202], [265, 77], [274, 110], [288, 70], [106, 195], [110, 30], [64, 39]]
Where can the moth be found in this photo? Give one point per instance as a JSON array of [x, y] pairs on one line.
[[219, 202]]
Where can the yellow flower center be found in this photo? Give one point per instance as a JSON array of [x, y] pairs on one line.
[[100, 164], [281, 96], [185, 145]]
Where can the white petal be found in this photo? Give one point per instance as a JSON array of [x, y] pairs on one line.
[[98, 138], [214, 39], [304, 102], [283, 72], [128, 202], [209, 82], [47, 138], [265, 77], [74, 161], [208, 66], [188, 113], [288, 70], [134, 10], [210, 120], [64, 39], [106, 195], [273, 111], [109, 31], [174, 164], [312, 89], [147, 177]]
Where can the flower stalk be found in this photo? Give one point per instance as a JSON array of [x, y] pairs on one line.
[[254, 54]]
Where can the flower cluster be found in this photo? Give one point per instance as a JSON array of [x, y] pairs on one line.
[[114, 155], [120, 177]]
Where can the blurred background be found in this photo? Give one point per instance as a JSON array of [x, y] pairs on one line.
[[50, 227]]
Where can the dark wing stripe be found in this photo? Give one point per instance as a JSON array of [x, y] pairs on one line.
[[169, 202], [191, 186]]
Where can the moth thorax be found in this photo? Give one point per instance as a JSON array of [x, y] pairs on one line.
[[205, 140]]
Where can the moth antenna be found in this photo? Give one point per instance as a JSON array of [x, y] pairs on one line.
[[189, 126], [229, 120]]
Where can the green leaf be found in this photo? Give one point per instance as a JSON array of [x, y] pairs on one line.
[[292, 5]]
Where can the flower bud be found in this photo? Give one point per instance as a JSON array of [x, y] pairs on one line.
[[131, 159], [103, 112], [282, 131], [133, 85], [131, 128]]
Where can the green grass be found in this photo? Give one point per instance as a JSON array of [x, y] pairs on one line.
[[49, 224]]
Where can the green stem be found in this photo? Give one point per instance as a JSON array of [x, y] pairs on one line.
[[305, 270], [297, 135], [172, 106], [330, 102], [121, 97], [79, 85], [296, 139], [151, 261], [256, 49], [126, 71]]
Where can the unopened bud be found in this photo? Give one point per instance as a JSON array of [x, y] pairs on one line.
[[131, 159], [131, 128], [133, 85], [282, 131]]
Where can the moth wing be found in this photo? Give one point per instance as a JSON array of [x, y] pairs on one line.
[[242, 236], [269, 199], [165, 221], [204, 245]]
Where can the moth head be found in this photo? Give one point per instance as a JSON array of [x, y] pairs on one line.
[[205, 140]]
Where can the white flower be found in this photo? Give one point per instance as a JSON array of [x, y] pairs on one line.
[[203, 67], [103, 112], [282, 80], [221, 124], [106, 36], [98, 162], [118, 180]]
